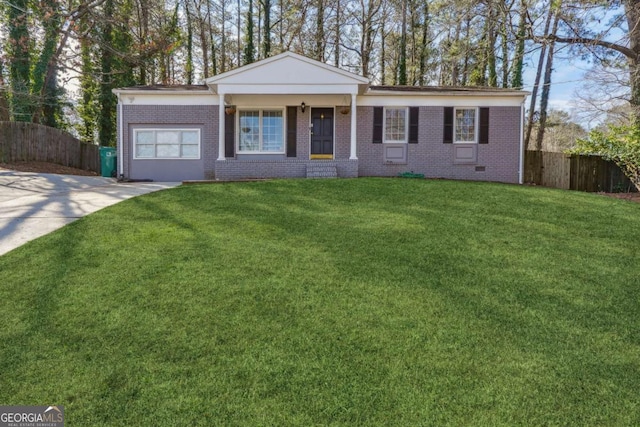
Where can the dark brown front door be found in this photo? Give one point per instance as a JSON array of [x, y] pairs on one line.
[[322, 132]]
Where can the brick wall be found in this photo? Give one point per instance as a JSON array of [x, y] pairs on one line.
[[342, 135], [203, 117], [229, 170], [499, 158]]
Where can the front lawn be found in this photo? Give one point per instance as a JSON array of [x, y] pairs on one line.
[[331, 302]]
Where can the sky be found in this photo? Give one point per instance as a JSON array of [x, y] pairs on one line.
[[568, 77]]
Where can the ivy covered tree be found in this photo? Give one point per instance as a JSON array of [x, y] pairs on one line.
[[19, 53], [249, 48]]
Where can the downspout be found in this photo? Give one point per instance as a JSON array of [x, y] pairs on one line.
[[120, 141], [521, 166]]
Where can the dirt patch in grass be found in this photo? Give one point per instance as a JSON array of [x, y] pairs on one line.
[[632, 197], [44, 167]]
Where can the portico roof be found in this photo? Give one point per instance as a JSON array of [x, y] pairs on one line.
[[287, 73]]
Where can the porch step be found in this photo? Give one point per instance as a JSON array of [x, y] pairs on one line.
[[320, 170]]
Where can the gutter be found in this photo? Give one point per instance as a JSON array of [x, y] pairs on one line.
[[521, 160], [120, 150]]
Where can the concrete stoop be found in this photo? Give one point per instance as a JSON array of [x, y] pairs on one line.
[[320, 170]]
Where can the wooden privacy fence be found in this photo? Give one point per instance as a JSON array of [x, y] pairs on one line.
[[20, 141], [574, 172]]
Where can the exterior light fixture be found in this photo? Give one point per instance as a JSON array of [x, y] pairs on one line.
[[302, 107]]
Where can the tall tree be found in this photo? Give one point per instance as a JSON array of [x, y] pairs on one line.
[[536, 84], [518, 67], [106, 128], [546, 85], [424, 44], [19, 57], [249, 46], [402, 62], [318, 52], [4, 98], [44, 83], [266, 29]]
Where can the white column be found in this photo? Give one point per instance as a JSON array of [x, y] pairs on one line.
[[221, 127], [354, 110]]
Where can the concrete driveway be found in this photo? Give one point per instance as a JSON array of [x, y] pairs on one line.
[[35, 204]]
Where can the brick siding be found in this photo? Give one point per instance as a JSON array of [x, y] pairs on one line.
[[228, 170], [203, 117], [499, 158]]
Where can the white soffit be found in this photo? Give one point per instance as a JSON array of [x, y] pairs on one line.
[[439, 100], [287, 73], [128, 98]]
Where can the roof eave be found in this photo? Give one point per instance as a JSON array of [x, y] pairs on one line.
[[519, 93]]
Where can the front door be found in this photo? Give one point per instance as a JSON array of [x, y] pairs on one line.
[[322, 133]]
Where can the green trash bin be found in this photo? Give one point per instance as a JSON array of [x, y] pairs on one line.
[[108, 161]]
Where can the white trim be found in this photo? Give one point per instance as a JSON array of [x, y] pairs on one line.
[[294, 95], [333, 136], [354, 126], [217, 79], [260, 133], [221, 130], [436, 100], [406, 125], [136, 129], [446, 93], [476, 122], [163, 98], [288, 89], [120, 150], [521, 159]]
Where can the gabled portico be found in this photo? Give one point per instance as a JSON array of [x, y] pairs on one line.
[[282, 82]]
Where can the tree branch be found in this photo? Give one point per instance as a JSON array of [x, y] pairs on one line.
[[590, 42]]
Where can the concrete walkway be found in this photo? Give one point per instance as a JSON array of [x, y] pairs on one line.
[[35, 204]]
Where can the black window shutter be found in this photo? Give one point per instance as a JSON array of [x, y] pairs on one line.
[[483, 137], [414, 114], [448, 125], [377, 125], [229, 134], [292, 118]]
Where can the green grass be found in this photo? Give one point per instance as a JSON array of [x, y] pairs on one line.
[[339, 302]]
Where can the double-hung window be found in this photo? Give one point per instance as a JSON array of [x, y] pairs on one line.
[[166, 143], [261, 131], [465, 129], [395, 124]]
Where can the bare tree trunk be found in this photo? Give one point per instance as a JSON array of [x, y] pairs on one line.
[[536, 84], [490, 52], [189, 64], [465, 68], [455, 66], [204, 40], [632, 12], [383, 52], [402, 62], [239, 35], [424, 45], [336, 51], [318, 54], [546, 86]]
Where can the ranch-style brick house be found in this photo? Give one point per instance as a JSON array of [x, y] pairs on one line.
[[289, 116]]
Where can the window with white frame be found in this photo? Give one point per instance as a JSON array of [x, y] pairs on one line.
[[395, 124], [465, 125], [166, 143], [261, 131]]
